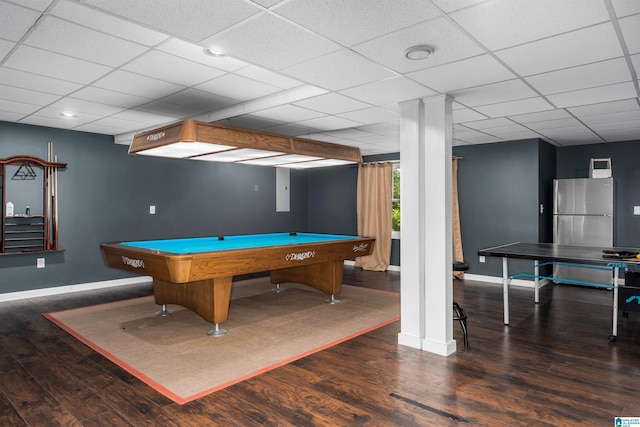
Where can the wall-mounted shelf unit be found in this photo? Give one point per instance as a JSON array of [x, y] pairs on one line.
[[26, 233]]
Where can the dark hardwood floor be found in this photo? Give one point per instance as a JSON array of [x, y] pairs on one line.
[[553, 366]]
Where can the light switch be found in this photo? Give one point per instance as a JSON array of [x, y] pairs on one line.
[[636, 210], [152, 210]]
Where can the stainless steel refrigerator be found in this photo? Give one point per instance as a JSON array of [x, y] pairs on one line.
[[583, 216]]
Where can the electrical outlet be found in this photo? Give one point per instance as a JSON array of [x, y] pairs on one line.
[[152, 210], [636, 210], [482, 258], [40, 263]]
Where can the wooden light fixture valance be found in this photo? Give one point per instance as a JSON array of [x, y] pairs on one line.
[[190, 139]]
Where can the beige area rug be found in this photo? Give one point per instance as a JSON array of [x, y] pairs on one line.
[[266, 329]]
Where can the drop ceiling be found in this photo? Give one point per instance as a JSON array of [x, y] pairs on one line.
[[565, 71]]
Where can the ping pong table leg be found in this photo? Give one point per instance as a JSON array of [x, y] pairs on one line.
[[616, 274], [505, 289], [536, 283]]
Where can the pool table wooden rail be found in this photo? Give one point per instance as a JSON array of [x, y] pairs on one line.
[[202, 281]]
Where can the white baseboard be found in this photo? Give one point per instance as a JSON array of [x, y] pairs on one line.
[[58, 290]]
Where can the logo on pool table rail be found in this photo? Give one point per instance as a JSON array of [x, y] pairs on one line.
[[361, 247], [135, 263], [300, 256], [156, 136]]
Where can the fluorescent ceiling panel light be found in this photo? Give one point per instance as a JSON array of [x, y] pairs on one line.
[[237, 155], [184, 149], [316, 164], [279, 160]]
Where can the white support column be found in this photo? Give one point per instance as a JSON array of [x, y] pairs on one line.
[[437, 234], [425, 246], [411, 222]]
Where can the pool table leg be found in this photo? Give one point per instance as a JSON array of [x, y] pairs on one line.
[[207, 298], [325, 277]]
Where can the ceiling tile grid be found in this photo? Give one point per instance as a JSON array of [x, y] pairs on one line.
[[564, 71]]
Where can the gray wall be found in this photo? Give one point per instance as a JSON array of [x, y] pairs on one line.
[[104, 195]]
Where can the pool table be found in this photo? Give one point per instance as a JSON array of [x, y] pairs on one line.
[[197, 273]]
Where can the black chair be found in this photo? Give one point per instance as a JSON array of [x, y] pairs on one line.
[[460, 314]]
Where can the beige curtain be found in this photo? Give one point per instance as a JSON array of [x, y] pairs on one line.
[[374, 213], [455, 219]]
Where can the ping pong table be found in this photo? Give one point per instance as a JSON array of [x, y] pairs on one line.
[[550, 253]]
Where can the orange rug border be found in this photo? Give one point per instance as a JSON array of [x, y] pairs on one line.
[[182, 400]]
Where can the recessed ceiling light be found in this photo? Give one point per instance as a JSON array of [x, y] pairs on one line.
[[212, 52], [68, 115], [418, 52]]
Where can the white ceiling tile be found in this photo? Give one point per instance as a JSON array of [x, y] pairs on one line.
[[49, 122], [15, 21], [50, 64], [338, 70], [290, 129], [267, 3], [383, 128], [451, 5], [352, 22], [551, 124], [371, 115], [625, 7], [237, 87], [88, 17], [594, 95], [35, 82], [450, 43], [395, 89], [631, 30], [466, 115], [109, 97], [57, 113], [511, 129], [331, 103], [169, 68], [566, 50], [169, 109], [250, 122], [618, 125], [199, 100], [291, 112], [18, 107], [604, 108], [476, 71], [80, 106], [328, 123], [68, 39], [143, 117], [540, 116], [265, 76], [271, 42], [514, 136], [622, 116], [27, 96], [5, 48], [614, 135], [109, 129], [10, 116], [635, 60], [521, 106], [192, 20], [570, 131], [489, 123], [195, 53], [135, 84], [525, 20], [582, 77], [493, 93]]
